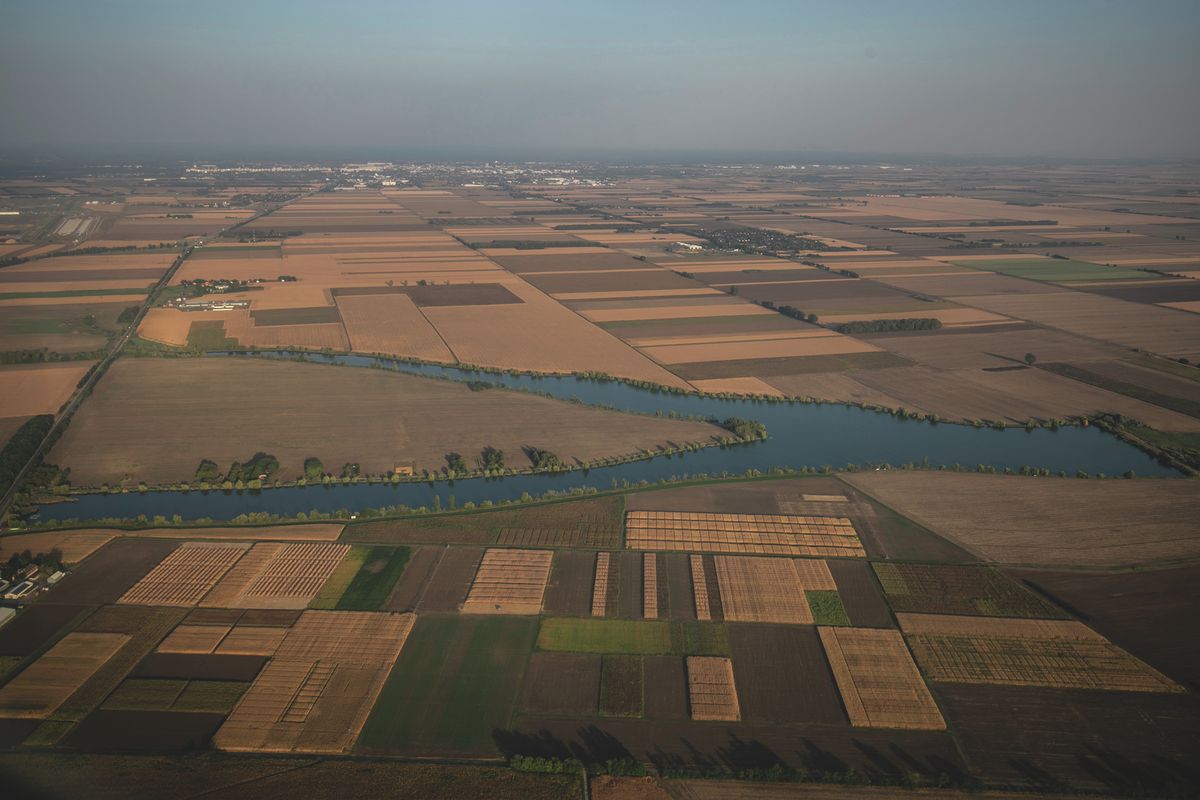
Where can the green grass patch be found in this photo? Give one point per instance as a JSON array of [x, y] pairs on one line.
[[454, 684], [209, 335], [827, 608], [210, 696], [375, 579], [632, 637], [1052, 269], [144, 694], [72, 293], [621, 686], [340, 579]]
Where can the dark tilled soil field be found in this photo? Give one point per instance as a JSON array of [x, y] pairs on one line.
[[110, 572], [36, 626], [1150, 614], [451, 579], [569, 590], [196, 666], [146, 731], [677, 575], [860, 594], [666, 687], [566, 684], [415, 579], [782, 675]]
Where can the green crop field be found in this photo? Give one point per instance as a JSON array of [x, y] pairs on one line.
[[632, 637], [827, 608], [454, 684], [380, 568], [340, 579], [1052, 269]]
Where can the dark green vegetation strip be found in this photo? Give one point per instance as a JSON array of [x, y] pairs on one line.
[[1181, 404], [209, 334], [827, 608], [375, 579], [959, 589], [21, 446], [454, 684], [71, 293], [633, 637], [1052, 269], [621, 686]]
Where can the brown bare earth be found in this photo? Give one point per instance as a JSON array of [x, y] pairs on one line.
[[131, 428], [1052, 521], [26, 390], [74, 545]]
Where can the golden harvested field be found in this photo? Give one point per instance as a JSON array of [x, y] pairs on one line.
[[600, 584], [762, 590], [878, 681], [509, 582], [186, 575], [194, 639], [47, 683], [251, 640], [75, 545], [26, 390], [390, 323], [315, 694], [737, 386], [700, 588], [1055, 521], [276, 575], [1061, 654], [539, 334], [131, 426], [712, 693], [650, 586], [763, 534]]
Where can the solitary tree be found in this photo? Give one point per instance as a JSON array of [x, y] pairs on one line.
[[1030, 359]]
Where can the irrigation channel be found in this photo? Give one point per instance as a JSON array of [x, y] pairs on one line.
[[799, 435]]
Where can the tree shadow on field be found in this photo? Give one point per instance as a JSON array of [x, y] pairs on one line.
[[1158, 776], [816, 760], [741, 755], [542, 744]]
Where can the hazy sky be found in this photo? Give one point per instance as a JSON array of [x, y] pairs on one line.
[[1005, 77]]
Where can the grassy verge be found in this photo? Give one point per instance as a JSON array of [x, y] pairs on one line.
[[632, 637]]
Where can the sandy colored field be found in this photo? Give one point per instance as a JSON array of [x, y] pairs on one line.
[[1192, 306], [1059, 521], [539, 334], [194, 639], [390, 323], [650, 585], [316, 693], [47, 683], [186, 575], [159, 259], [565, 296], [748, 386], [1160, 330], [131, 425], [805, 332], [250, 640], [997, 348], [700, 588], [776, 348], [26, 390], [1062, 654], [600, 584], [712, 693], [878, 681], [276, 575], [762, 590], [74, 545], [509, 582], [762, 534], [135, 298], [632, 312], [934, 209]]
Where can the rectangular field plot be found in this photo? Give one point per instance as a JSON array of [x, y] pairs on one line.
[[959, 589], [754, 534], [561, 684], [1061, 654], [251, 640], [621, 686], [509, 582], [600, 584], [711, 689], [194, 639], [878, 681], [456, 683], [591, 537], [185, 576], [633, 637], [276, 575], [316, 693], [776, 589], [48, 682]]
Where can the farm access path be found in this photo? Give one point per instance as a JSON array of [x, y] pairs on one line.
[[114, 350]]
